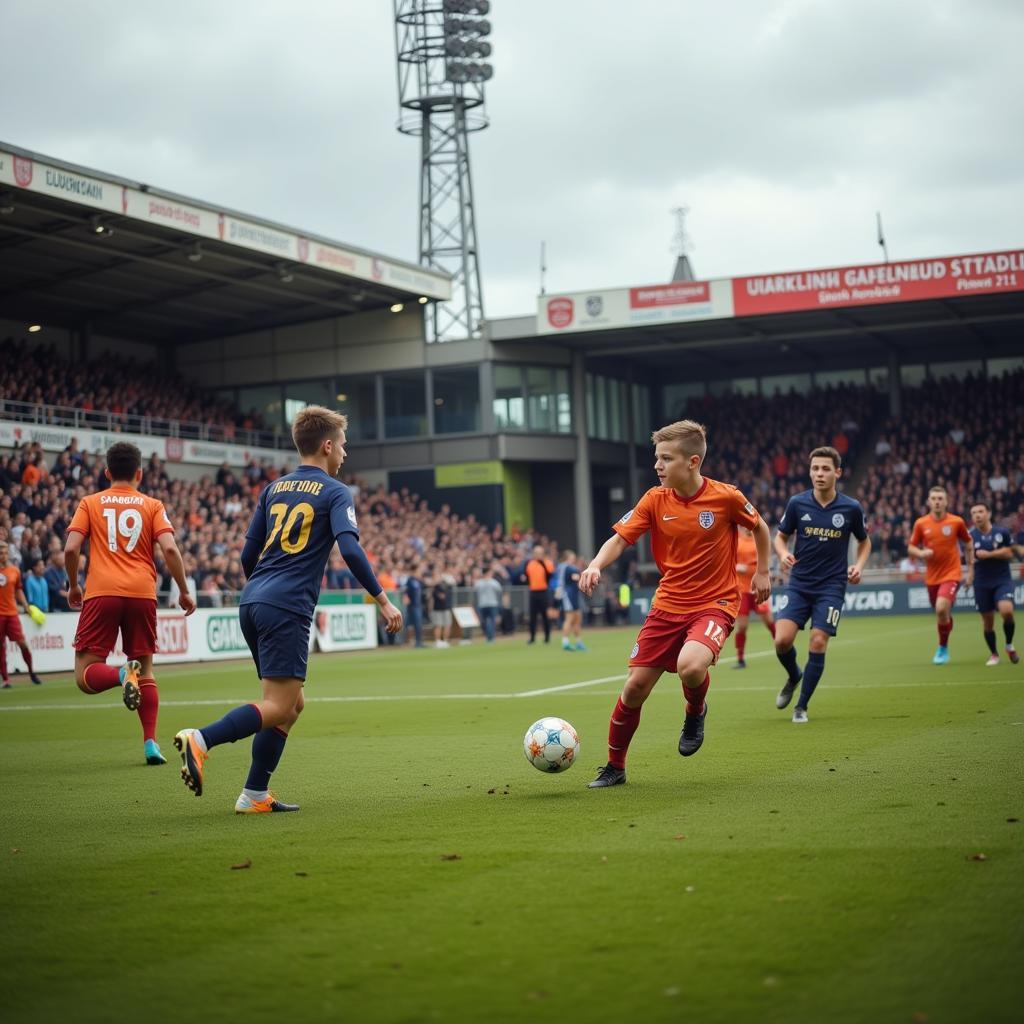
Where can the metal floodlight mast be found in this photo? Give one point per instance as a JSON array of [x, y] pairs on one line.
[[441, 73]]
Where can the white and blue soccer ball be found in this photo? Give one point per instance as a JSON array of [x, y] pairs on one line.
[[551, 745]]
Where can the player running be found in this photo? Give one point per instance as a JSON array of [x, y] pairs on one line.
[[823, 520], [936, 539], [297, 521], [567, 594], [12, 594], [123, 526], [692, 522], [746, 564], [993, 584]]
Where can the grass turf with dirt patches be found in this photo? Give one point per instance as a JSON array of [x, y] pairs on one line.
[[819, 872]]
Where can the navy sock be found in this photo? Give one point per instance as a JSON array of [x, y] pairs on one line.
[[235, 725], [788, 660], [267, 748], [812, 674], [990, 639], [1008, 628]]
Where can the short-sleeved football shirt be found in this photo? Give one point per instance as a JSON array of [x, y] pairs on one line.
[[822, 538], [989, 572], [10, 581], [944, 537]]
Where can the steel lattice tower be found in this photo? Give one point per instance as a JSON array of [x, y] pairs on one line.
[[441, 76]]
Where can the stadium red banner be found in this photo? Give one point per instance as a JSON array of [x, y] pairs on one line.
[[676, 294], [904, 281]]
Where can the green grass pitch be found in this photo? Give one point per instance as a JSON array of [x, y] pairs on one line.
[[821, 873]]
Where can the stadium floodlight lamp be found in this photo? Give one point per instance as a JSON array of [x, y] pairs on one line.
[[397, 307], [195, 252], [455, 72], [6, 203], [34, 328], [482, 6], [283, 273], [99, 227], [341, 396]]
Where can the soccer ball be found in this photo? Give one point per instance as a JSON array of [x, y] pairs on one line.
[[551, 745]]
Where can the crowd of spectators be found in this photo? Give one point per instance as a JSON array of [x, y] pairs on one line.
[[964, 435], [761, 443], [116, 393]]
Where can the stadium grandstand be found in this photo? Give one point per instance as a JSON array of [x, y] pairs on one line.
[[127, 311]]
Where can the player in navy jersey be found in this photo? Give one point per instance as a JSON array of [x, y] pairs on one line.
[[993, 585], [567, 594], [823, 520], [298, 520]]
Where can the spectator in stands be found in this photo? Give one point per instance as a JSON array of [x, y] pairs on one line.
[[487, 595], [36, 589], [57, 582]]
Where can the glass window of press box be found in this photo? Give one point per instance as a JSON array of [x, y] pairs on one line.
[[533, 398], [405, 404], [356, 397], [299, 394], [606, 408], [456, 400]]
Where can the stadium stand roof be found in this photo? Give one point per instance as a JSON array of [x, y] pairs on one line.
[[923, 310], [79, 246]]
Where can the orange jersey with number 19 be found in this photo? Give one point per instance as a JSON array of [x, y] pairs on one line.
[[122, 526], [694, 543]]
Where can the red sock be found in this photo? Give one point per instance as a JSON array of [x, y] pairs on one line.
[[771, 628], [695, 696], [99, 677], [26, 654], [944, 631], [3, 659], [623, 724], [741, 643], [149, 707]]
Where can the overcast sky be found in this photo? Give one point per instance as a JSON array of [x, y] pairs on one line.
[[783, 125]]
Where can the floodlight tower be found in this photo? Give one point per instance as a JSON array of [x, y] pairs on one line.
[[442, 50]]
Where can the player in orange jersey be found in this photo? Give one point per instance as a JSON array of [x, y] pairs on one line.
[[746, 565], [124, 527], [692, 521], [12, 594], [936, 539]]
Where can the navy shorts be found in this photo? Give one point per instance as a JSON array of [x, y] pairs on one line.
[[823, 608], [278, 639], [988, 595], [570, 601]]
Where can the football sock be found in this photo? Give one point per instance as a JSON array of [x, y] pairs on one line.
[[741, 643], [695, 696], [944, 630], [149, 707], [771, 628], [27, 656], [267, 748], [788, 661], [99, 677], [1008, 628], [812, 675], [990, 639], [235, 725], [3, 659], [623, 724]]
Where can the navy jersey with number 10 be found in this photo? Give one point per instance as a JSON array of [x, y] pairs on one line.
[[822, 537], [296, 521]]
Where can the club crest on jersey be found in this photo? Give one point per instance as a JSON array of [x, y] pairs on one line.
[[351, 515], [947, 531], [706, 519], [838, 520]]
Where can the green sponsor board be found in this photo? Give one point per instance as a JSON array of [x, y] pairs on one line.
[[468, 474], [224, 633]]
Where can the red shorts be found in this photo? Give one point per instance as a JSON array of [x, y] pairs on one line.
[[747, 605], [102, 617], [10, 629], [662, 636], [946, 589]]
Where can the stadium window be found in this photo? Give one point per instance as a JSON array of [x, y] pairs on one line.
[[786, 383], [601, 403], [356, 397], [835, 378], [1008, 364], [405, 404], [912, 376], [563, 403], [878, 378], [641, 414], [959, 370], [299, 394], [591, 407], [456, 400], [675, 397], [509, 407], [266, 402], [540, 398]]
